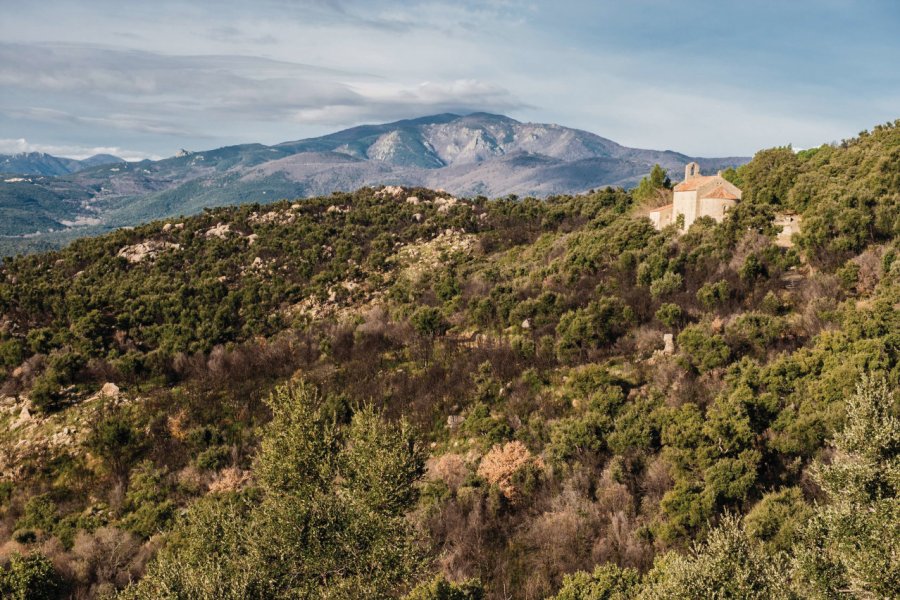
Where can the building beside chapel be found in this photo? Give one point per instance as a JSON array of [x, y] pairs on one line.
[[697, 196]]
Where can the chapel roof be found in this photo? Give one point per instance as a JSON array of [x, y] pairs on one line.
[[695, 183], [720, 192]]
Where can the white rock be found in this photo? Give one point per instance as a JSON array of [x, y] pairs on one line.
[[110, 390], [138, 252], [24, 418], [221, 230], [669, 342], [454, 421]]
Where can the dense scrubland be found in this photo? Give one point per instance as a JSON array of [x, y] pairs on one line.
[[395, 393]]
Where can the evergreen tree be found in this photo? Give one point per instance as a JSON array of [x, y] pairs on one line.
[[852, 543], [328, 520]]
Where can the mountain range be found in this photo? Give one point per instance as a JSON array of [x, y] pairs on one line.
[[43, 206], [41, 163]]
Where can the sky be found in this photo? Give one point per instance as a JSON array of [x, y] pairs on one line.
[[703, 77]]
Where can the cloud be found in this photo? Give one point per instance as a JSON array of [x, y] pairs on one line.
[[231, 34], [213, 72], [21, 145], [124, 122], [249, 87], [387, 101], [188, 96]]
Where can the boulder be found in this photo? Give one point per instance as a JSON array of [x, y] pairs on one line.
[[110, 390], [24, 417], [454, 421]]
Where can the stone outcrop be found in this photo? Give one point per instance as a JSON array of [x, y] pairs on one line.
[[221, 231], [150, 249]]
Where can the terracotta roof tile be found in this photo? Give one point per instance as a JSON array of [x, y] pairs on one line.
[[694, 182], [720, 192]]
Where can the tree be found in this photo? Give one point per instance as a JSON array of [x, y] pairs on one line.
[[713, 295], [769, 177], [117, 442], [669, 283], [328, 520], [703, 349], [777, 518], [669, 315], [382, 464], [653, 185], [852, 544], [585, 329], [728, 565], [429, 323], [607, 582]]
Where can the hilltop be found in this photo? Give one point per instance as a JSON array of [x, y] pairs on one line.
[[478, 154], [398, 390]]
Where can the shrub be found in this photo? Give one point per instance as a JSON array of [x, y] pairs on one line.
[[482, 424], [40, 513], [30, 577], [213, 459], [574, 436], [585, 329], [149, 509], [669, 315], [712, 295], [46, 392], [441, 589], [727, 565], [703, 349], [509, 467], [668, 284], [776, 519], [117, 442], [607, 582], [753, 332]]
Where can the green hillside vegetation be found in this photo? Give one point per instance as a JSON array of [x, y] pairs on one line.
[[394, 393]]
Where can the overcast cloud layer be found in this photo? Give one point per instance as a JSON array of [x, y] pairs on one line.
[[145, 79]]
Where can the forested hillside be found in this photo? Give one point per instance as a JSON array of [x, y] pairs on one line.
[[397, 393]]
